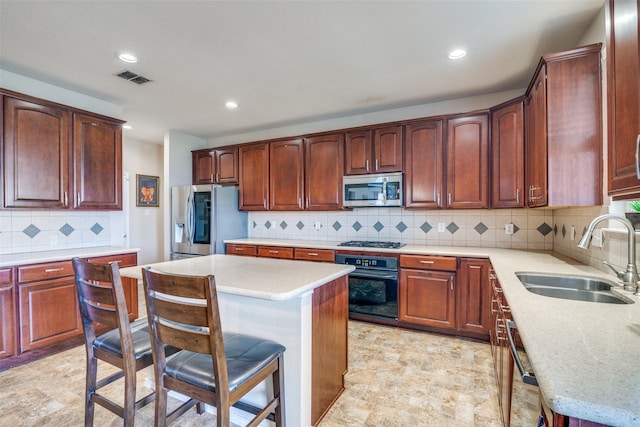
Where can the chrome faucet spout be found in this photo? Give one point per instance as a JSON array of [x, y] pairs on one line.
[[629, 276]]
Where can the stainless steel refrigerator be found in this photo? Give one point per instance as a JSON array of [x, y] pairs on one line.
[[202, 216]]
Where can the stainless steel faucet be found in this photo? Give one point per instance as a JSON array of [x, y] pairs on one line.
[[629, 276]]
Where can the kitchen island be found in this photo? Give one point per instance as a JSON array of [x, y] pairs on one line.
[[302, 305]]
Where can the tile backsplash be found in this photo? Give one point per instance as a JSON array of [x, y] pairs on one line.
[[533, 229], [30, 231]]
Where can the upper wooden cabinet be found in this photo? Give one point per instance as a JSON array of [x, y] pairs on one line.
[[507, 146], [253, 165], [36, 148], [374, 151], [623, 89], [423, 164], [468, 161], [56, 158], [563, 117], [286, 183], [215, 166], [323, 168], [97, 149]]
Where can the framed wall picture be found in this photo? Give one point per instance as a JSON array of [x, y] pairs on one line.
[[147, 193]]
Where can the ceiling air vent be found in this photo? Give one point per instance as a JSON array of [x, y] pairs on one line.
[[133, 77]]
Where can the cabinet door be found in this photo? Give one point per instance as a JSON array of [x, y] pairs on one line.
[[623, 84], [474, 297], [203, 167], [254, 177], [357, 148], [286, 183], [98, 163], [423, 164], [536, 143], [427, 298], [36, 153], [324, 163], [507, 144], [387, 149], [7, 314], [48, 313], [226, 167], [468, 162]]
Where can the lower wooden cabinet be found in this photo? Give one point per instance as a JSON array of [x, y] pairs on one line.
[[7, 314], [320, 255], [246, 250], [427, 298], [474, 297], [275, 252]]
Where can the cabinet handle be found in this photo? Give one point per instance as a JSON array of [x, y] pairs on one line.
[[299, 202], [637, 163], [264, 203], [66, 199], [217, 177], [438, 199], [377, 164], [426, 262], [211, 177], [78, 198], [274, 252], [518, 196], [366, 165], [118, 261], [307, 202], [451, 282], [449, 199], [312, 253], [53, 270], [239, 249]]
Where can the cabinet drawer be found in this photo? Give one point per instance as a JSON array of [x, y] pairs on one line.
[[249, 250], [6, 277], [429, 262], [275, 252], [50, 270], [123, 260], [324, 255]]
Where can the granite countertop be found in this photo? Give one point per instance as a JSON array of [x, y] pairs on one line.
[[264, 278], [62, 254], [586, 356]]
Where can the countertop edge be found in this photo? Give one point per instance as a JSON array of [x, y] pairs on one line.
[[17, 259]]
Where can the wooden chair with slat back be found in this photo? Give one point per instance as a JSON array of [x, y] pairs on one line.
[[213, 367], [126, 345]]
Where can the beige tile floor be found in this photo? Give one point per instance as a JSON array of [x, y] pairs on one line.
[[396, 378]]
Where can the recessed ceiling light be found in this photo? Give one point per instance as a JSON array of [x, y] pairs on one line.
[[457, 54], [231, 105], [127, 57], [127, 127]]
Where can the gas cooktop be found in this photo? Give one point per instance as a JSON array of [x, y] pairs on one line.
[[371, 244]]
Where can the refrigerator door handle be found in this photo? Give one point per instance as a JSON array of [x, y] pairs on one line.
[[187, 222]]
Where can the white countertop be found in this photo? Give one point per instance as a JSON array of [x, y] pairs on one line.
[[586, 356], [265, 278], [62, 254]]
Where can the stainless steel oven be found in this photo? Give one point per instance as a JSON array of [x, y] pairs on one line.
[[373, 286]]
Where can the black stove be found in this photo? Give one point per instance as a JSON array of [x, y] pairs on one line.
[[372, 244]]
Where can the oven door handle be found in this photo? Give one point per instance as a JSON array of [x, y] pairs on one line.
[[369, 274], [527, 377]]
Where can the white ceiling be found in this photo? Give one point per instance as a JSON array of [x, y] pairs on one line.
[[284, 62]]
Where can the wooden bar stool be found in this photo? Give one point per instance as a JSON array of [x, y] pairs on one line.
[[213, 367], [126, 345]]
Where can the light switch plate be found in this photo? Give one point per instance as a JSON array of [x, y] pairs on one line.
[[597, 238], [441, 227], [508, 229]]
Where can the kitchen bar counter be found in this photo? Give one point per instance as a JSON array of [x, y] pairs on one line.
[[302, 305], [586, 356]]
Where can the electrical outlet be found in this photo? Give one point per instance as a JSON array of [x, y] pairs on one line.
[[317, 225], [597, 238], [508, 229], [441, 227], [572, 233]]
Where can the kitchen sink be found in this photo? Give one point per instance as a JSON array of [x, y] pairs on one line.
[[580, 288]]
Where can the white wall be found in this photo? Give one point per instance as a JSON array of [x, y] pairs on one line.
[[146, 224]]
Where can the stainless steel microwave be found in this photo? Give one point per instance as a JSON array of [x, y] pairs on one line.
[[377, 190]]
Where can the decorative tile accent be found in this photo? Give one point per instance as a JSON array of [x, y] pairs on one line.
[[300, 225], [401, 226], [66, 229], [31, 231], [337, 226], [267, 225], [357, 226], [564, 231], [452, 227], [378, 226], [555, 229], [426, 227], [254, 224], [283, 225], [515, 229], [96, 228], [480, 228], [544, 229]]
